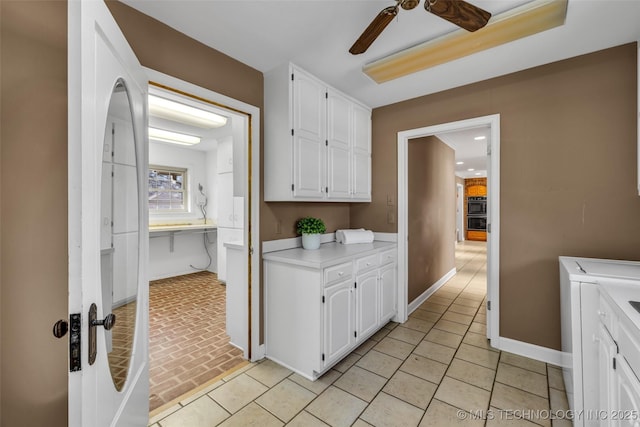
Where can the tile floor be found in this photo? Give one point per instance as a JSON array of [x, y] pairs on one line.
[[436, 369], [188, 344]]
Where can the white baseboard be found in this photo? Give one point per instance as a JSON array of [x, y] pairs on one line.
[[532, 351], [413, 305]]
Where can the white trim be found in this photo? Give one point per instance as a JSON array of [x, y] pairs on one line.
[[426, 294], [493, 212], [531, 351], [257, 350]]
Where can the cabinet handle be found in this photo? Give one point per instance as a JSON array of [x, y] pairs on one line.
[[602, 313], [368, 264], [340, 273]]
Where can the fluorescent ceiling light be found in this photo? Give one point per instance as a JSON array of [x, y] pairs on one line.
[[470, 170], [478, 174], [172, 137], [480, 138], [528, 19], [176, 111], [459, 163]]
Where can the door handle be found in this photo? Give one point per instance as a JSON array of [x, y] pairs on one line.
[[107, 323]]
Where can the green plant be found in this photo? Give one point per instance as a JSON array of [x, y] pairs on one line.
[[310, 225]]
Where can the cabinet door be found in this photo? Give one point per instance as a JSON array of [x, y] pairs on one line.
[[338, 140], [361, 154], [338, 320], [627, 395], [224, 155], [225, 200], [388, 293], [606, 378], [309, 127], [367, 302], [361, 175]]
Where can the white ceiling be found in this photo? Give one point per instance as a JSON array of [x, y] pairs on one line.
[[471, 152], [316, 35]]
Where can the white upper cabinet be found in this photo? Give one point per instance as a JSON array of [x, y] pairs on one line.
[[317, 140]]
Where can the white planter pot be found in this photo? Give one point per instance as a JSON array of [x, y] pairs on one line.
[[311, 241]]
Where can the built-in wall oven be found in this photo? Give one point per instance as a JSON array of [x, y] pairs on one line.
[[477, 205], [477, 213]]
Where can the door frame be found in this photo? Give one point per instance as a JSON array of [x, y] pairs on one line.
[[493, 214], [255, 351], [460, 213]]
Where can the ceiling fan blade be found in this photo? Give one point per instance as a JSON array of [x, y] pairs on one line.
[[374, 29], [459, 12]]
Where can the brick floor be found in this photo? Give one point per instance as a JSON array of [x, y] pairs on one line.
[[188, 345]]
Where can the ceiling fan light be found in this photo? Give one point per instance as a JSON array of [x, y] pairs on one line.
[[528, 19], [179, 112], [162, 135]]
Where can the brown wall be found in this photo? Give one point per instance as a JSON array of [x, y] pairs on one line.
[[164, 49], [33, 190], [568, 173], [431, 213]]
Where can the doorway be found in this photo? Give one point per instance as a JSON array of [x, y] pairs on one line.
[[493, 203], [202, 197]]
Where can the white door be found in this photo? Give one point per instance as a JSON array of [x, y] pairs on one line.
[[338, 143], [309, 128], [367, 303], [338, 321], [108, 227]]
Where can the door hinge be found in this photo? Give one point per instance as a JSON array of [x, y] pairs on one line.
[[292, 132], [488, 150], [291, 76], [326, 95], [488, 305], [355, 285], [614, 363], [251, 250], [323, 299], [322, 356], [75, 343], [355, 334], [326, 190], [488, 228], [292, 187], [326, 142]]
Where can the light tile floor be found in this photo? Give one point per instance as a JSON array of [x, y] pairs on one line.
[[436, 369]]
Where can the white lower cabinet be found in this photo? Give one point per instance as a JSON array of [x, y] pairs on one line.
[[320, 305], [338, 321]]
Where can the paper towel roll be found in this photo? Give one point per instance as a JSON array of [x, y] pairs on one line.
[[357, 236]]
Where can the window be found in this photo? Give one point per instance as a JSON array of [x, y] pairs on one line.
[[167, 189]]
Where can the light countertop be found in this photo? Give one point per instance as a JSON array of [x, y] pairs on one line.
[[181, 227], [327, 255], [620, 280]]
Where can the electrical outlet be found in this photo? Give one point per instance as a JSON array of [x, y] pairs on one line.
[[389, 200]]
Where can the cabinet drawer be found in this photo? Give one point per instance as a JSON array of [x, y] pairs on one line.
[[388, 256], [338, 272], [607, 316], [366, 263]]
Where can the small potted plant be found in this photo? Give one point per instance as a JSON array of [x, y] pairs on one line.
[[310, 228]]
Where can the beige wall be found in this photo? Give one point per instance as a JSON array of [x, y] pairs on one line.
[[568, 173], [34, 212], [431, 213]]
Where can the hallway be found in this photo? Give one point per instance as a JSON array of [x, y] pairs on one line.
[[436, 369]]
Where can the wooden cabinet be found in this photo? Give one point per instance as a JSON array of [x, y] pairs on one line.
[[317, 140], [317, 311]]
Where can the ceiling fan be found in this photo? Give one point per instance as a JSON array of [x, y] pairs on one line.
[[459, 12]]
